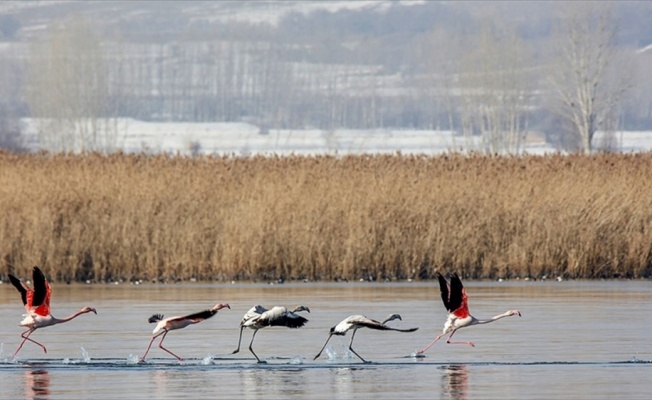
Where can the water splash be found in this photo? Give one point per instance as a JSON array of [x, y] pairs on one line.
[[2, 354], [296, 360], [85, 357], [132, 359], [84, 360], [332, 354], [348, 355], [208, 360]]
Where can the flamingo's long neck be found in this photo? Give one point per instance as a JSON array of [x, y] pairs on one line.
[[492, 319], [68, 318]]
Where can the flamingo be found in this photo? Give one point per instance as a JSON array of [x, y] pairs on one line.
[[454, 297], [259, 317], [356, 322], [165, 325], [37, 305]]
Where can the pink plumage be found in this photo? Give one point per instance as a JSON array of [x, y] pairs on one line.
[[37, 305], [165, 325]]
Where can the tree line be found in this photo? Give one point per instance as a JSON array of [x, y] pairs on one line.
[[79, 81]]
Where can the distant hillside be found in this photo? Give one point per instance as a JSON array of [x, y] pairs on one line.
[[309, 64]]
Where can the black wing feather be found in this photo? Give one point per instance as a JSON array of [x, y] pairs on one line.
[[455, 292], [40, 287], [206, 314], [405, 330], [19, 285], [373, 324], [294, 321], [155, 318], [445, 295]]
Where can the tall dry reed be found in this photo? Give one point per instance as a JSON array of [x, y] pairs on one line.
[[102, 218]]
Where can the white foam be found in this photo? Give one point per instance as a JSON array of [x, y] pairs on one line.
[[132, 359], [208, 360], [296, 360]]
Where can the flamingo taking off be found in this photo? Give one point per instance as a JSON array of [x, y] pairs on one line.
[[259, 317], [37, 304], [454, 297], [356, 322], [165, 325]]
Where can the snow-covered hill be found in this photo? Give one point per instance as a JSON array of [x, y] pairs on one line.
[[243, 139]]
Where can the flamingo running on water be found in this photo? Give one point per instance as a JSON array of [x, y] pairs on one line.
[[37, 304], [356, 322], [165, 325], [259, 317], [454, 297]]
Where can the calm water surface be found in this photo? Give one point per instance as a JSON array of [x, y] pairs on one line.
[[576, 340]]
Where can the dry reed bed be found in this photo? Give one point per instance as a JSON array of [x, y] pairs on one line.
[[127, 217]]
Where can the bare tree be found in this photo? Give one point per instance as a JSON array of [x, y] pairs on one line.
[[69, 91], [277, 86], [495, 89], [10, 88], [584, 53], [438, 55]]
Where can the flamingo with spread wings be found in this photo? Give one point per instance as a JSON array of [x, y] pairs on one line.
[[258, 317], [37, 305], [454, 297], [165, 325], [355, 322]]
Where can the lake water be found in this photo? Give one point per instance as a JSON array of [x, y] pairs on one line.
[[575, 340]]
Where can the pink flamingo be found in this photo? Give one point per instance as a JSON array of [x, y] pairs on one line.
[[37, 304], [455, 301], [165, 325]]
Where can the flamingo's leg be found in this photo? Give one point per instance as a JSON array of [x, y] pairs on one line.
[[25, 338], [450, 342], [252, 350], [160, 345], [239, 341], [150, 345], [323, 347], [353, 351], [432, 343]]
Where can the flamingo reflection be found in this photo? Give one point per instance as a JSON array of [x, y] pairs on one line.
[[37, 384], [455, 382]]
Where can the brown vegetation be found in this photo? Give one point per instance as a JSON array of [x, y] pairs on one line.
[[126, 217]]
